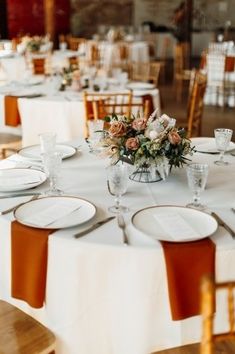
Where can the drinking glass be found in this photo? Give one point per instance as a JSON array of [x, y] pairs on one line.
[[222, 140], [47, 142], [117, 180], [52, 164], [197, 177]]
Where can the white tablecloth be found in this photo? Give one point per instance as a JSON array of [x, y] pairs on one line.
[[107, 298], [61, 112]]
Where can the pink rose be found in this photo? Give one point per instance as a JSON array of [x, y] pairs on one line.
[[132, 144], [174, 138], [117, 129], [139, 124]]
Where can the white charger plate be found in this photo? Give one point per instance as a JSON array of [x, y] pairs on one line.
[[34, 151], [140, 86], [86, 211], [208, 145], [17, 179], [202, 223]]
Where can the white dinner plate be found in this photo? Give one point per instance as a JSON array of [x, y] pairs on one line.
[[17, 179], [207, 145], [140, 86], [34, 152], [174, 223], [57, 212]]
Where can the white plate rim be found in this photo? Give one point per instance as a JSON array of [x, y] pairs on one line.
[[205, 140], [176, 206], [33, 157], [51, 226], [25, 186]]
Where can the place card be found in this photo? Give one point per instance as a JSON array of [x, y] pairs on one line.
[[175, 226], [52, 213]]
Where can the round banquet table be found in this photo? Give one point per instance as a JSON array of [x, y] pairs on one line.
[[61, 112], [105, 297]]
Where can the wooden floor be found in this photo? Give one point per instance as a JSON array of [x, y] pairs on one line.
[[213, 117]]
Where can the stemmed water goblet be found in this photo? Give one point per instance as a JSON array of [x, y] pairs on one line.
[[117, 181], [197, 177], [52, 165], [222, 139]]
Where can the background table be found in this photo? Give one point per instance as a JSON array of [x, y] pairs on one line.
[[103, 297]]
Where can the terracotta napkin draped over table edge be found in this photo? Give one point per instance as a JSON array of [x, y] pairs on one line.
[[186, 264], [29, 263], [12, 115]]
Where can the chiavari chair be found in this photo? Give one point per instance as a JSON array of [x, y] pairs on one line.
[[146, 72], [182, 73], [212, 343], [20, 333]]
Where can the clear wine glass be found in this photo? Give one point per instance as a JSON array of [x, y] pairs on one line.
[[197, 177], [47, 142], [222, 139], [117, 180], [52, 164]]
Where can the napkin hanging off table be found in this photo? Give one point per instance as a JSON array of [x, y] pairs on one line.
[[186, 263], [12, 115], [29, 263]]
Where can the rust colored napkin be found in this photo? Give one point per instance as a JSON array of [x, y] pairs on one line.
[[186, 263], [229, 64], [12, 115], [29, 263]]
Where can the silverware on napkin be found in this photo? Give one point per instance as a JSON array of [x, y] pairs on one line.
[[122, 225], [222, 223], [93, 227]]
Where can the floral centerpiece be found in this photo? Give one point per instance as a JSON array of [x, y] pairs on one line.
[[35, 44], [154, 143]]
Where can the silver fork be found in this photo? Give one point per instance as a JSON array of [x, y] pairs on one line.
[[122, 225], [6, 211]]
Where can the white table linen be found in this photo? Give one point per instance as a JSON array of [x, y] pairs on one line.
[[107, 298], [61, 112]]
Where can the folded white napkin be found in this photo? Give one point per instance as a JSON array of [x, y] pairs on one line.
[[13, 181], [51, 213], [175, 226]]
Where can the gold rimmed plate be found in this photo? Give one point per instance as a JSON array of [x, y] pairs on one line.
[[56, 212], [33, 152], [174, 223]]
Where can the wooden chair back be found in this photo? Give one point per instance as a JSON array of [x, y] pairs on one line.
[[196, 105], [181, 58], [209, 289], [75, 42], [21, 333], [212, 343], [146, 72]]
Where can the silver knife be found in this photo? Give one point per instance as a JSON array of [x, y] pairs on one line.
[[93, 227], [18, 195], [221, 222]]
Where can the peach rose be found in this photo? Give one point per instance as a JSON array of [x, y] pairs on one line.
[[139, 124], [132, 144], [117, 129], [174, 138]]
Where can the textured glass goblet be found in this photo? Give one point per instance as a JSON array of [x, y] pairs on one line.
[[52, 164], [222, 139], [117, 180], [197, 177]]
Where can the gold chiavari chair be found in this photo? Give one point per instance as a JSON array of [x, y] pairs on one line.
[[196, 104], [74, 42], [182, 73], [212, 343], [20, 333], [146, 72]]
